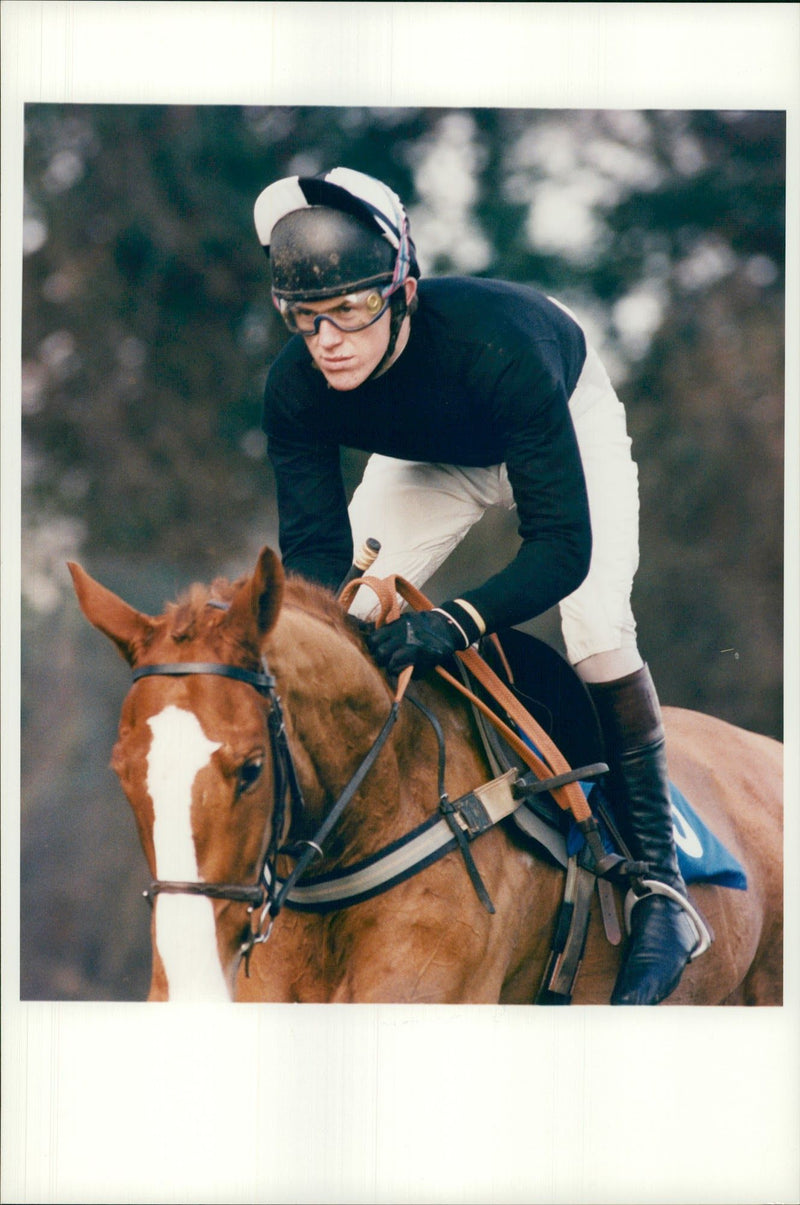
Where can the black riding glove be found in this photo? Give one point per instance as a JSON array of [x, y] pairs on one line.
[[422, 639]]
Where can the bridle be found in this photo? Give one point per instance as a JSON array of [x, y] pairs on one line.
[[268, 893]]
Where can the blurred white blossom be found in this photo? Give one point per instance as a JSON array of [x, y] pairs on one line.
[[444, 174], [48, 542]]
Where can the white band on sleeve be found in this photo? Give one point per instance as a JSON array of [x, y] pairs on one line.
[[474, 615]]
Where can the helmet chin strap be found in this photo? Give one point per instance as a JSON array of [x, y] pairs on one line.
[[397, 313]]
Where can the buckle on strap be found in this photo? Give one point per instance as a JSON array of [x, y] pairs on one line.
[[475, 813], [703, 935], [484, 806]]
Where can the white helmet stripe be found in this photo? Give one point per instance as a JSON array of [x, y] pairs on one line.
[[286, 196], [384, 204], [280, 198]]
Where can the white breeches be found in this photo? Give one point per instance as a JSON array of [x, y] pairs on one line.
[[421, 512]]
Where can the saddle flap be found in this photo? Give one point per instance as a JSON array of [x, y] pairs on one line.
[[550, 689]]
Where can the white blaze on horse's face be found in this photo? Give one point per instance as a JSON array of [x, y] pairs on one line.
[[184, 925]]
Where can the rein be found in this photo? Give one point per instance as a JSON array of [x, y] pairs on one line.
[[314, 847]]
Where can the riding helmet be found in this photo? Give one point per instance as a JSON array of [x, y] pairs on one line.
[[333, 234]]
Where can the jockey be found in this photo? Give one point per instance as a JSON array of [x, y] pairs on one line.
[[468, 393]]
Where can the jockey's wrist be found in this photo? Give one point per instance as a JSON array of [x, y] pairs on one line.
[[474, 613], [466, 619]]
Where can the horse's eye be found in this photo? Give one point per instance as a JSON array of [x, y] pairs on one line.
[[249, 774]]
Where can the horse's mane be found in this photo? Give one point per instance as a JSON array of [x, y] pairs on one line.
[[196, 612], [308, 596]]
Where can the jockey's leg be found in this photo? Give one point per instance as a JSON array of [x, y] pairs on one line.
[[600, 636], [662, 936], [419, 513]]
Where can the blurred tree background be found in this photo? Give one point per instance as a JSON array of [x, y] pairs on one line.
[[147, 334]]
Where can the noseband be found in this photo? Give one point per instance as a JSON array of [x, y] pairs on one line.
[[268, 893]]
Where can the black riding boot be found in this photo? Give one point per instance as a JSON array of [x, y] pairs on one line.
[[662, 936]]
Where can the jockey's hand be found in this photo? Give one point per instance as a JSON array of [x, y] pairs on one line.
[[364, 627], [422, 639]]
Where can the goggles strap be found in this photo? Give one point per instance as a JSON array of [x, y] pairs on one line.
[[398, 312]]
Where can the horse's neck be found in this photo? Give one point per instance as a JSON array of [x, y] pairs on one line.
[[336, 704]]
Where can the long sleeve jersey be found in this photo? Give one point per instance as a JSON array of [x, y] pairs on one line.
[[484, 379]]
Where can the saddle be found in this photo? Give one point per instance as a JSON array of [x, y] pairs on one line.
[[550, 689], [547, 686]]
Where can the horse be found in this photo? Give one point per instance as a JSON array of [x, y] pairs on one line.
[[256, 700]]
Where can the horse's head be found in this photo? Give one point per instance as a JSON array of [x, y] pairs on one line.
[[193, 756]]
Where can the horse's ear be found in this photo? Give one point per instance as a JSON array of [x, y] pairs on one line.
[[255, 606], [127, 627]]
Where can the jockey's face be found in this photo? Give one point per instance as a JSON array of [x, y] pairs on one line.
[[347, 358]]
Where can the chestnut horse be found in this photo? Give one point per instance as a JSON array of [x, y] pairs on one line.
[[256, 694]]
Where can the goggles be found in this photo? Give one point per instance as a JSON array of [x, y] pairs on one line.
[[353, 312]]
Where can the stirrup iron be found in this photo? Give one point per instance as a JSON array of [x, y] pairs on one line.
[[656, 887]]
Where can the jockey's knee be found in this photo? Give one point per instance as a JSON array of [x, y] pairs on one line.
[[610, 665]]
